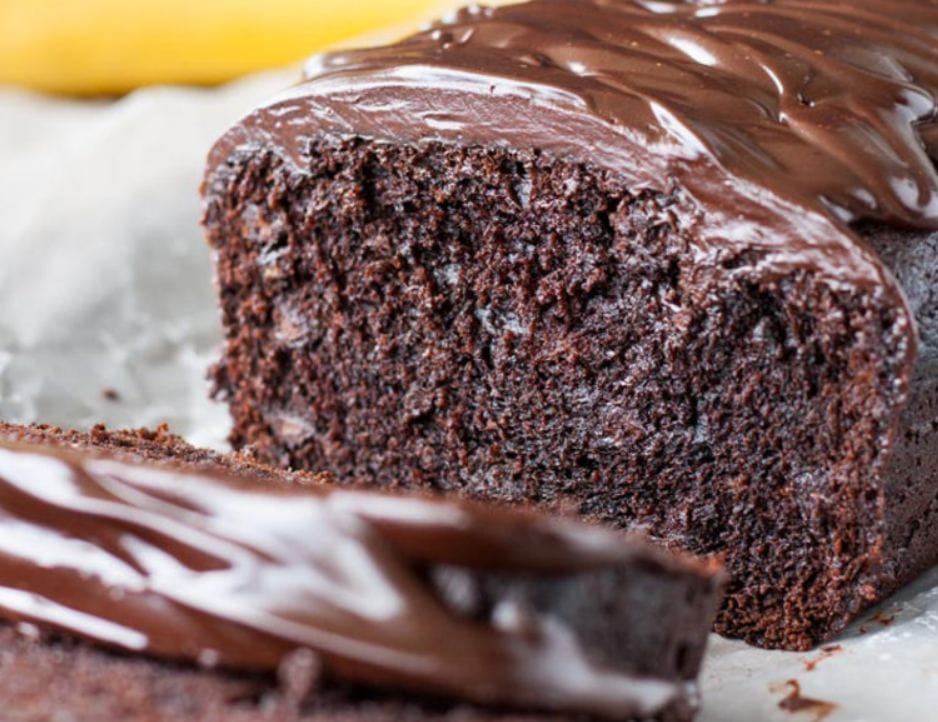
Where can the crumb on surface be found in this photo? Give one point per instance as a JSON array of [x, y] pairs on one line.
[[794, 702], [827, 652]]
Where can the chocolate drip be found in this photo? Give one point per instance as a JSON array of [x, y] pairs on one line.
[[203, 568]]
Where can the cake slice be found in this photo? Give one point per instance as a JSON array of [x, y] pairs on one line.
[[668, 264], [143, 579]]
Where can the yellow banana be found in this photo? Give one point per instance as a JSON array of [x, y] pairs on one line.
[[86, 47]]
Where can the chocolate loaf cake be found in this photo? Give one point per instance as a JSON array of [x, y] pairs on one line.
[[670, 264], [208, 587]]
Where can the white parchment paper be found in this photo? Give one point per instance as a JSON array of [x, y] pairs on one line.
[[105, 284]]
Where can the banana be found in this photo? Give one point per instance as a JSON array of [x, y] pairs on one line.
[[103, 47]]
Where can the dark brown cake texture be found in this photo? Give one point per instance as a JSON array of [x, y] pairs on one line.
[[332, 604], [670, 264]]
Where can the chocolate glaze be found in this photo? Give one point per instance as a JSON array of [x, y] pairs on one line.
[[816, 100], [783, 120], [197, 567]]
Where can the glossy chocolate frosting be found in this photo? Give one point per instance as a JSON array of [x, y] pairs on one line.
[[203, 568], [817, 100], [783, 121]]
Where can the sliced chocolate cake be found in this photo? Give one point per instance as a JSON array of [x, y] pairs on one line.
[[142, 579], [670, 264]]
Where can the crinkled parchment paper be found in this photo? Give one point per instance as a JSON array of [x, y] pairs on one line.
[[107, 314]]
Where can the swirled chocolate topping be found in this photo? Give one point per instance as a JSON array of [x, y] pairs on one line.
[[191, 566], [784, 119]]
